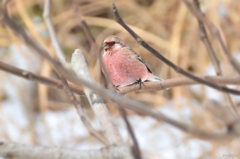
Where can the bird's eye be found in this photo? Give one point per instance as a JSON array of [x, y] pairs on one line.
[[113, 42]]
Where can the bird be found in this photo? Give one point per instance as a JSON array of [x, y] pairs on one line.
[[124, 66]]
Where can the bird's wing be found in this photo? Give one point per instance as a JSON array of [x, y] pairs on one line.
[[135, 55]]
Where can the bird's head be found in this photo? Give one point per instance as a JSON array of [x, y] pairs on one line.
[[111, 44]]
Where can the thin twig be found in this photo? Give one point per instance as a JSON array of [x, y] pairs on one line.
[[128, 103], [215, 32], [52, 33], [206, 41], [136, 149], [80, 110], [214, 59], [169, 63], [122, 110], [93, 43], [68, 91]]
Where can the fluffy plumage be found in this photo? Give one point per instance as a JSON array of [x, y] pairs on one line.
[[123, 65]]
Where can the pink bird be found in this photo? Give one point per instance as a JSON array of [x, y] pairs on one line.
[[123, 65]]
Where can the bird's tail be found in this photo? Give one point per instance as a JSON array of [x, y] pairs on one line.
[[154, 78]]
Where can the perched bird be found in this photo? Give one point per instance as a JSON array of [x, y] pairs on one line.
[[125, 67]]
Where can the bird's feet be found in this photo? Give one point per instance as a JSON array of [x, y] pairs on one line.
[[140, 82]]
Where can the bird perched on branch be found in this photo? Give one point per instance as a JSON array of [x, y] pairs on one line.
[[125, 67]]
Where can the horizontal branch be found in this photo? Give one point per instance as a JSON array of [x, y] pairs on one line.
[[176, 82], [37, 78], [19, 151]]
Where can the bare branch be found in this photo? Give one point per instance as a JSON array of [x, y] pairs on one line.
[[213, 57], [20, 151], [206, 41], [81, 114], [215, 32], [169, 63], [51, 30], [61, 57], [37, 78], [93, 43], [176, 82], [136, 149]]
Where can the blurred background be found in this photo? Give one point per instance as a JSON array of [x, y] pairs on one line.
[[35, 114]]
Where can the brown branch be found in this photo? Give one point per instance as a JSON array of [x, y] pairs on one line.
[[61, 57], [214, 59], [80, 110], [93, 43], [215, 32], [128, 103], [176, 82], [207, 43], [37, 78], [169, 63], [136, 149]]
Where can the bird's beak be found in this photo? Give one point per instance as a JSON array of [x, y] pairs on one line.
[[105, 46]]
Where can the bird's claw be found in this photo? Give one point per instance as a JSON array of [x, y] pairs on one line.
[[140, 82]]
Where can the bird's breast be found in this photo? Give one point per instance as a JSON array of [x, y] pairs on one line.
[[123, 69]]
